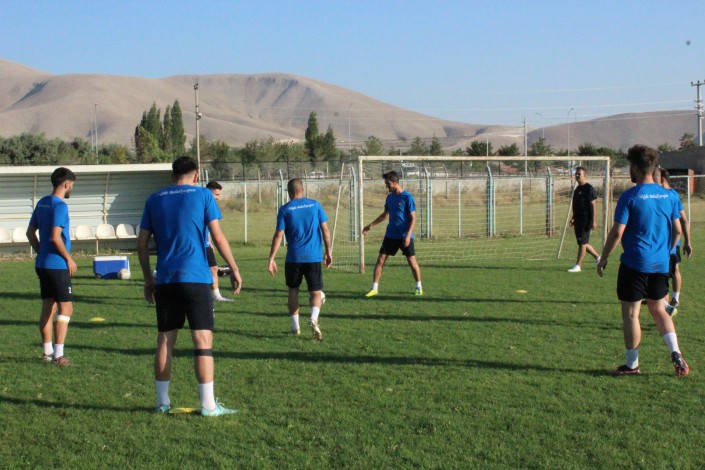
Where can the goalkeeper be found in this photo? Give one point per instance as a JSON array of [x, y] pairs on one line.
[[401, 210]]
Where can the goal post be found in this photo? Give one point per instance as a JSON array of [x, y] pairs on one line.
[[470, 207]]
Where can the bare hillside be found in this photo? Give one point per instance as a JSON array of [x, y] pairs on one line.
[[239, 108]]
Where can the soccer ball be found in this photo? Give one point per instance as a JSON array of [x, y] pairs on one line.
[[124, 274]]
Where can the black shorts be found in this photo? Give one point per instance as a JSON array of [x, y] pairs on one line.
[[184, 300], [295, 272], [55, 284], [673, 261], [582, 233], [390, 246], [210, 254], [633, 286]]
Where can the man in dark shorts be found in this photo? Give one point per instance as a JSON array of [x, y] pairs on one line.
[[584, 219], [215, 188], [647, 223], [178, 216], [304, 222], [54, 264], [401, 210]]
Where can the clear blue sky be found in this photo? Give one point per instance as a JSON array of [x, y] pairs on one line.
[[482, 62]]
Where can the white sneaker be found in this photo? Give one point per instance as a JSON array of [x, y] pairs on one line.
[[323, 298], [575, 269], [222, 299]]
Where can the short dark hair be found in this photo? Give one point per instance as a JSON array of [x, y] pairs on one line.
[[392, 176], [213, 184], [643, 158], [183, 166], [665, 174], [294, 186], [581, 168], [62, 175]]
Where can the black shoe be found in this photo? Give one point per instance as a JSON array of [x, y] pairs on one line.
[[624, 370], [674, 302], [224, 271], [679, 364]]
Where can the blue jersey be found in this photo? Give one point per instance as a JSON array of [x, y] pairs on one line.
[[676, 199], [51, 211], [301, 220], [399, 206], [648, 213], [178, 217]]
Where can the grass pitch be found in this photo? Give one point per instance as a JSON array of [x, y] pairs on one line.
[[474, 374]]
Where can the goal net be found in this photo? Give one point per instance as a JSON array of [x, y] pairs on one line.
[[469, 208]]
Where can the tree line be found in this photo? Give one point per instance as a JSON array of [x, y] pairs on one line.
[[160, 139]]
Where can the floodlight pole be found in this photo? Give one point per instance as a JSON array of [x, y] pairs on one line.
[[699, 107], [198, 135]]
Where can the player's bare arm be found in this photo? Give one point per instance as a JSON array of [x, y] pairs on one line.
[[613, 238], [32, 237], [276, 243], [410, 231], [221, 243], [594, 217], [677, 231], [143, 256], [685, 226], [381, 218], [58, 242], [328, 258]]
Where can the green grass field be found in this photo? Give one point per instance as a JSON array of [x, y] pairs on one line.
[[471, 375]]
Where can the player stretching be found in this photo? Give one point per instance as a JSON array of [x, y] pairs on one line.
[[646, 221], [674, 269], [215, 188], [401, 210], [584, 219], [302, 220], [178, 216], [54, 264]]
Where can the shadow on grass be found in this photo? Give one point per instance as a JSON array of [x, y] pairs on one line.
[[316, 357], [73, 406]]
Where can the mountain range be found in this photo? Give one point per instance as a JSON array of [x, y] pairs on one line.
[[239, 108]]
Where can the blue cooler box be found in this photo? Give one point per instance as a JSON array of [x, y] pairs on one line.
[[107, 267]]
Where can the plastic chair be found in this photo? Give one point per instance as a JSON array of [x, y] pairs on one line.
[[19, 235], [85, 232], [105, 232], [125, 231], [5, 236]]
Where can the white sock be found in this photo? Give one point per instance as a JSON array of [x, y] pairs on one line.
[[216, 293], [671, 341], [207, 396], [314, 313], [162, 387], [58, 350], [375, 285], [633, 358], [676, 295], [295, 322], [418, 285], [48, 348]]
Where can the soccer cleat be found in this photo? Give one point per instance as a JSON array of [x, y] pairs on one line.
[[219, 410], [671, 310], [295, 332], [62, 361], [419, 291], [162, 409], [323, 298], [679, 364], [47, 357], [317, 333], [224, 271], [575, 269], [674, 303], [597, 260], [624, 370], [222, 299], [372, 293]]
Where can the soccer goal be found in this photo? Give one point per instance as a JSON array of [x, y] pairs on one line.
[[470, 208]]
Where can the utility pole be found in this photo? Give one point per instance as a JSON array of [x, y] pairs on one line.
[[198, 136], [699, 107], [526, 147]]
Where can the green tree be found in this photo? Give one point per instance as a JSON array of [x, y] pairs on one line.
[[436, 148], [479, 148], [178, 135], [540, 149], [665, 148], [509, 151], [165, 135], [418, 147], [687, 142], [327, 148], [312, 137], [373, 146]]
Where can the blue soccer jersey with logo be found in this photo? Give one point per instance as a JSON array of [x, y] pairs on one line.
[[51, 211], [648, 212], [301, 220], [178, 217], [399, 206]]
